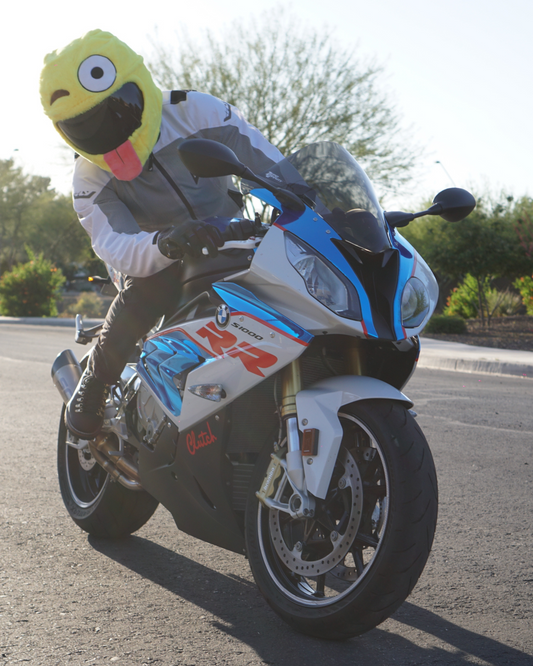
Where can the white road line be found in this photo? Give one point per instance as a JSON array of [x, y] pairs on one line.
[[472, 425]]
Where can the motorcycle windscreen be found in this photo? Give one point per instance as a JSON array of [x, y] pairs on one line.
[[330, 180]]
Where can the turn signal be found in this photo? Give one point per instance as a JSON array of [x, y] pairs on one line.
[[214, 392]]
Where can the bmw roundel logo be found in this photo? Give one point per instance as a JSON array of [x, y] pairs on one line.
[[222, 316]]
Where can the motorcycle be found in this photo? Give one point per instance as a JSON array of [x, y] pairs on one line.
[[267, 413]]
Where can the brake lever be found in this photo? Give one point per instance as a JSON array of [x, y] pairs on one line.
[[248, 244]]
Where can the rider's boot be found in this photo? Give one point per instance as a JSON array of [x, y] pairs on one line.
[[84, 415]]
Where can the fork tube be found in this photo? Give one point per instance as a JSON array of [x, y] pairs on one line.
[[291, 385], [354, 357]]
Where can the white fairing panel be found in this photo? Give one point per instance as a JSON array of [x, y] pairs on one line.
[[237, 357], [272, 278]]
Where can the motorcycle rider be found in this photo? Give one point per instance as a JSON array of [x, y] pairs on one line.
[[141, 207]]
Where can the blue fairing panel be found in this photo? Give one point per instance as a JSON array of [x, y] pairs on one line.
[[162, 359], [407, 265], [239, 299]]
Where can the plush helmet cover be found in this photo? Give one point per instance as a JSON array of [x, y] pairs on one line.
[[63, 95]]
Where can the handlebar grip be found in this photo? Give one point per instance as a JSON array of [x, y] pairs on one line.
[[239, 230]]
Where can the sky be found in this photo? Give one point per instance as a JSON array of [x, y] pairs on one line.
[[457, 71]]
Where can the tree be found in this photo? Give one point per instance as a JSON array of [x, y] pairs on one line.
[[56, 232], [19, 196], [296, 87], [523, 225], [484, 245], [34, 216]]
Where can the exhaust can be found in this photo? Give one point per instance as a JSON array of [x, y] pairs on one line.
[[66, 373]]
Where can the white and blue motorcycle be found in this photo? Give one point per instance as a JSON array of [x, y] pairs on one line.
[[267, 414]]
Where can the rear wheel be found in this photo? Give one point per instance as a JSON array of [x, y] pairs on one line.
[[96, 503], [350, 566]]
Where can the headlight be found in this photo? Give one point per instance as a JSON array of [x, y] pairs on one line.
[[323, 282], [415, 303]]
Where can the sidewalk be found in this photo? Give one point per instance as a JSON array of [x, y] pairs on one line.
[[435, 354], [441, 355]]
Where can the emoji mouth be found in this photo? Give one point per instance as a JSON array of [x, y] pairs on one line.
[[124, 162], [108, 125]]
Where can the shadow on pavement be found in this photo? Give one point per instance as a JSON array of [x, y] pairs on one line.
[[239, 610]]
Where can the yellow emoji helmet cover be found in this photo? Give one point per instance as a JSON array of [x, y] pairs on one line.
[[103, 101]]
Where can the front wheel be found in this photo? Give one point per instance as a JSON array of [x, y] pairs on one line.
[[350, 566], [98, 505]]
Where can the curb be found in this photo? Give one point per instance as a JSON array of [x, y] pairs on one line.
[[49, 321], [434, 354]]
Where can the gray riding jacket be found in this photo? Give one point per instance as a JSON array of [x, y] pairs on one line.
[[122, 217]]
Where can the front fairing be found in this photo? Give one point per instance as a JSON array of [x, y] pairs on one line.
[[376, 260]]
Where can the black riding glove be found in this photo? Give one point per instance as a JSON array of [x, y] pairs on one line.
[[175, 242]]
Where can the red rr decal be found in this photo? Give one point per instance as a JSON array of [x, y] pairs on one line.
[[253, 358], [223, 342], [219, 340]]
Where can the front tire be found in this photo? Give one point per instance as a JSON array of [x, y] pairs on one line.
[[98, 505], [348, 568]]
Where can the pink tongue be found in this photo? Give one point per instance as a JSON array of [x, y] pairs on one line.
[[124, 162]]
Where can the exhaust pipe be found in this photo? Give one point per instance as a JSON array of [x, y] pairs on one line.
[[66, 373], [115, 463]]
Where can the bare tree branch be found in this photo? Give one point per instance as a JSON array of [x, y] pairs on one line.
[[297, 87]]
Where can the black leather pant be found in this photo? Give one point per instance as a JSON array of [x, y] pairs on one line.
[[135, 310]]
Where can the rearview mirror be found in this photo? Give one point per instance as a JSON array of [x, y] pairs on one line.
[[210, 159], [453, 205]]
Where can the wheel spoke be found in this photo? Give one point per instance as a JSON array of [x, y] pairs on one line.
[[366, 540], [377, 491], [357, 553], [320, 585]]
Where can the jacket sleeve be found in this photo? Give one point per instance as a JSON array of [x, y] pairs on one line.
[[208, 117], [115, 235]]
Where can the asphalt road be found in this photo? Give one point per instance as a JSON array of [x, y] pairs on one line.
[[161, 597]]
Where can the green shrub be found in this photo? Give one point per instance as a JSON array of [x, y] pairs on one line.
[[504, 303], [525, 287], [464, 300], [88, 305], [445, 324], [31, 289]]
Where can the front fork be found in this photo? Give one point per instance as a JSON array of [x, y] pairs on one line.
[[291, 383], [301, 503]]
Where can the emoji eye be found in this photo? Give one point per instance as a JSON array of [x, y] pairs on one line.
[[97, 73]]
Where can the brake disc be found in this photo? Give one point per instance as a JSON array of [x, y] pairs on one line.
[[299, 557]]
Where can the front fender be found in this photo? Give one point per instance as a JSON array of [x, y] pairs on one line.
[[318, 408]]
